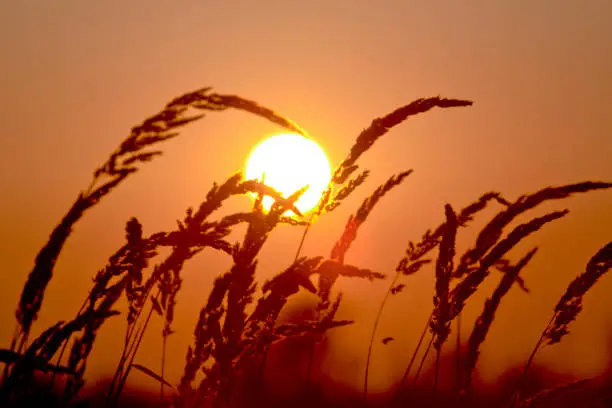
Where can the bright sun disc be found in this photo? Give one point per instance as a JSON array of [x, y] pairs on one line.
[[287, 163]]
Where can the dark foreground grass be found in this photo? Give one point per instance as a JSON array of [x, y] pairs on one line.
[[229, 361]]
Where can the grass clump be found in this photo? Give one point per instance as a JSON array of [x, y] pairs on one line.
[[240, 320]]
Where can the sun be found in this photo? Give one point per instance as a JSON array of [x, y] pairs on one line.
[[288, 162]]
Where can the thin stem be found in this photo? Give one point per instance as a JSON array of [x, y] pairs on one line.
[[418, 373], [128, 345], [124, 352], [163, 366], [65, 345], [458, 354], [415, 353], [312, 346], [530, 361], [537, 346], [306, 229], [123, 378], [378, 315]]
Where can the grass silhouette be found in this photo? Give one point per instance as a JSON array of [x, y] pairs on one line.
[[241, 317]]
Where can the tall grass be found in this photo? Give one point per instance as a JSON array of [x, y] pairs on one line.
[[240, 320]]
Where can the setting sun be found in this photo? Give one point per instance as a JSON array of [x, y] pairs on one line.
[[289, 162]]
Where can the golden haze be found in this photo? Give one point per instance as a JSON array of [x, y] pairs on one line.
[[77, 75]]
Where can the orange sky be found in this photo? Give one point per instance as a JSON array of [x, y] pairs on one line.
[[76, 75]]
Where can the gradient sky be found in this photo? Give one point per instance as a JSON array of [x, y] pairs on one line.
[[76, 75]]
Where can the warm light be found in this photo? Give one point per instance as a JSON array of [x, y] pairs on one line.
[[287, 163]]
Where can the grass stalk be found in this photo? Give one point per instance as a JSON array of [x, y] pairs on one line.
[[123, 377], [422, 363], [373, 335], [415, 353], [458, 370], [163, 368]]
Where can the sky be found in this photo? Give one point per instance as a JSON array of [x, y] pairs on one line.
[[77, 75]]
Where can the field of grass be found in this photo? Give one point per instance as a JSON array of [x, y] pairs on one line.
[[239, 327]]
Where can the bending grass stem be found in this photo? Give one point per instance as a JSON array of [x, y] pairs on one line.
[[378, 315], [65, 345], [521, 380], [129, 346], [134, 350], [418, 373], [415, 353]]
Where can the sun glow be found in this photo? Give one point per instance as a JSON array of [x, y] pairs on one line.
[[288, 162]]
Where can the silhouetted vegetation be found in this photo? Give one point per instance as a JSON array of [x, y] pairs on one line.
[[226, 364]]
